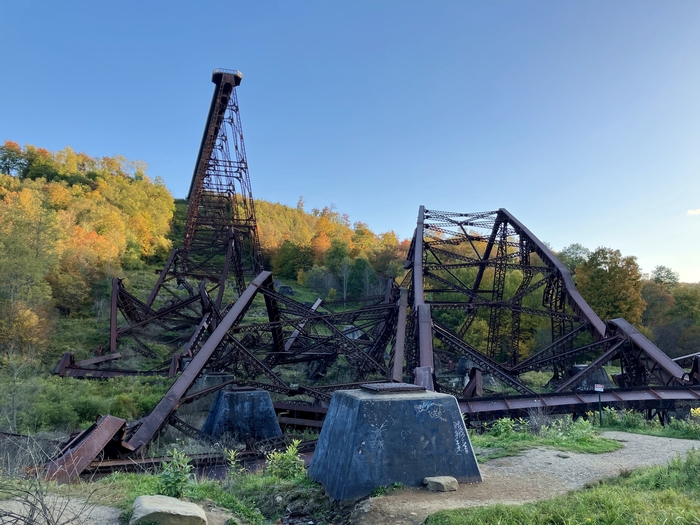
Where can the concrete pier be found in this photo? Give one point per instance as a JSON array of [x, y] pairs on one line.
[[375, 439], [242, 413]]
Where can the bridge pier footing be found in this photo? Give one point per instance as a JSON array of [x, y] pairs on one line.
[[376, 439], [239, 414]]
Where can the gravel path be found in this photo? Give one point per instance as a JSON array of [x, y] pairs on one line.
[[537, 474]]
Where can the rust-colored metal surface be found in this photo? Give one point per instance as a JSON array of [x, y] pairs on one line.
[[81, 451], [163, 410], [489, 408], [655, 362], [460, 264], [481, 293]]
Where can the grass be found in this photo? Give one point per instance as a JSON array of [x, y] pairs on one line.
[[631, 421], [536, 379], [61, 403], [121, 489], [654, 495], [509, 437], [252, 498]]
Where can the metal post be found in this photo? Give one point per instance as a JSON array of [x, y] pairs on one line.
[[397, 365], [113, 316]]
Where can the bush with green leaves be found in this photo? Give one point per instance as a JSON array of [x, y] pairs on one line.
[[508, 437], [233, 462], [287, 464], [631, 421], [506, 426], [568, 429], [175, 474]]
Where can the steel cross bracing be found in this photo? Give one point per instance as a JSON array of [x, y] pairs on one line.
[[479, 286], [221, 210], [468, 269], [220, 243]]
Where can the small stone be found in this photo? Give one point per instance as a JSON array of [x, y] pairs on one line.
[[414, 514], [364, 506], [441, 483], [166, 511], [278, 499]]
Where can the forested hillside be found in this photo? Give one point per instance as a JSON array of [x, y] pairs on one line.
[[69, 222]]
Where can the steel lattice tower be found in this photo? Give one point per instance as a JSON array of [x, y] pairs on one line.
[[221, 213]]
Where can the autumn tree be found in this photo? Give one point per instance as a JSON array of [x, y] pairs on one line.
[[612, 285], [11, 159]]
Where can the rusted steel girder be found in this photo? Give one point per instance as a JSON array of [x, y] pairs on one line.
[[643, 354], [221, 207], [85, 447], [152, 424], [462, 272]]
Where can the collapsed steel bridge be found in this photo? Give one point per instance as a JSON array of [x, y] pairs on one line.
[[481, 292]]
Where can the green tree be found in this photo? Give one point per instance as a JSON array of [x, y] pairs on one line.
[[664, 275], [659, 304], [612, 285], [338, 251], [574, 255], [319, 280], [291, 258], [362, 280], [11, 158], [689, 342], [687, 299]]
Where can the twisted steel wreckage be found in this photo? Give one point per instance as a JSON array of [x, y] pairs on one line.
[[476, 284]]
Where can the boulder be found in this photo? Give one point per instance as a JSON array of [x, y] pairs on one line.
[[441, 483], [166, 511]]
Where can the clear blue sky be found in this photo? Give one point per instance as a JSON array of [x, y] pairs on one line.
[[581, 118]]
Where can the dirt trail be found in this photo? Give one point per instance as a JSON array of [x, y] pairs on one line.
[[538, 474]]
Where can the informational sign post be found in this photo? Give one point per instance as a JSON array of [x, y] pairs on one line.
[[599, 388]]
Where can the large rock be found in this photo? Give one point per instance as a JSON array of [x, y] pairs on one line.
[[441, 483], [166, 511]]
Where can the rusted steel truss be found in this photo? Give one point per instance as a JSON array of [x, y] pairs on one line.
[[483, 287], [353, 344], [221, 210], [478, 286]]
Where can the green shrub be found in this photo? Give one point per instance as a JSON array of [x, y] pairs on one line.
[[287, 464], [567, 429], [90, 407], [174, 475], [503, 427], [124, 406], [629, 420]]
